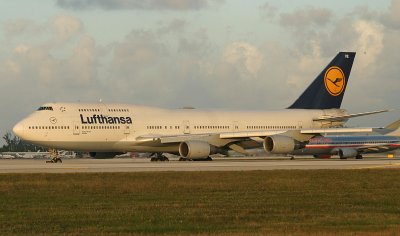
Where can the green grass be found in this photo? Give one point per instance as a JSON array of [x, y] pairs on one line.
[[316, 202]]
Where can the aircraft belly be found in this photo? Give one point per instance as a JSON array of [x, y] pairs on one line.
[[313, 151], [80, 145], [151, 146], [167, 149]]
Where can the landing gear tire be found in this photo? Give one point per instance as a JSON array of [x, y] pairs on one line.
[[54, 154], [54, 160], [359, 157], [343, 158], [206, 159], [186, 159], [159, 157]]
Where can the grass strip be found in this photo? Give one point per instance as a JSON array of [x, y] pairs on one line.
[[297, 202]]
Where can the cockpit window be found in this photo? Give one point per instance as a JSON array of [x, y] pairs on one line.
[[45, 108]]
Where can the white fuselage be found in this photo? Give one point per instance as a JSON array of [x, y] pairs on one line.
[[99, 127]]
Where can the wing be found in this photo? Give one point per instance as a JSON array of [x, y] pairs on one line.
[[237, 141]]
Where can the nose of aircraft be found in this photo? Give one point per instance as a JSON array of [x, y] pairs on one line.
[[19, 129]]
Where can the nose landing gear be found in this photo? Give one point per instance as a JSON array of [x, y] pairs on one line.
[[54, 155]]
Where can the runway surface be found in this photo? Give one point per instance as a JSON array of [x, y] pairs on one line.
[[144, 165]]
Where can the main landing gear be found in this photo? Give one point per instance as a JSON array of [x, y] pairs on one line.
[[54, 155], [190, 159], [158, 157]]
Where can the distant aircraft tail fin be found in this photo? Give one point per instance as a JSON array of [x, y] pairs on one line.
[[394, 128], [327, 90]]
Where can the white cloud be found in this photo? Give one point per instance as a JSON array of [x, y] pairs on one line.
[[370, 40], [21, 48], [307, 67], [10, 69], [18, 27], [139, 50], [46, 58], [268, 10], [142, 4], [66, 27], [303, 18], [81, 66], [394, 10], [245, 57]]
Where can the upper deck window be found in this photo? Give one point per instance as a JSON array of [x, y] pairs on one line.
[[45, 108]]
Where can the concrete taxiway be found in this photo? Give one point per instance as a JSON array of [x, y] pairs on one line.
[[144, 165]]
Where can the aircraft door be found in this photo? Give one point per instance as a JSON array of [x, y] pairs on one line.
[[127, 129], [76, 129], [300, 125], [186, 127], [235, 126]]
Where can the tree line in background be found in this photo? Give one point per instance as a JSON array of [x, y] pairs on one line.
[[15, 144]]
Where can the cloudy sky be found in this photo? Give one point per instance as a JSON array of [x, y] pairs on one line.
[[230, 54]]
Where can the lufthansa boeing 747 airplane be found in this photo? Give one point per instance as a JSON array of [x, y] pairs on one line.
[[107, 129]]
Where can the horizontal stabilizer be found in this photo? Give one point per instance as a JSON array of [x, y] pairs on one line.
[[346, 117]]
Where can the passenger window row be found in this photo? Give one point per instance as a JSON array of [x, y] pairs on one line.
[[89, 110], [361, 142], [211, 127], [271, 127], [162, 127], [100, 127], [48, 127], [195, 127], [67, 127], [225, 127], [118, 110]]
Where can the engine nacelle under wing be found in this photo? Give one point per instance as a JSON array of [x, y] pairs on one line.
[[196, 149], [279, 144], [346, 152]]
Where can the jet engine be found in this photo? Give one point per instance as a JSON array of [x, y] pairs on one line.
[[279, 144], [196, 149], [104, 155], [347, 152]]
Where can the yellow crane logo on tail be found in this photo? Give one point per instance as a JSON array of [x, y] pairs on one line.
[[334, 80]]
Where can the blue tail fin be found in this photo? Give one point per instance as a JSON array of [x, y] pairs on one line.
[[327, 90]]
